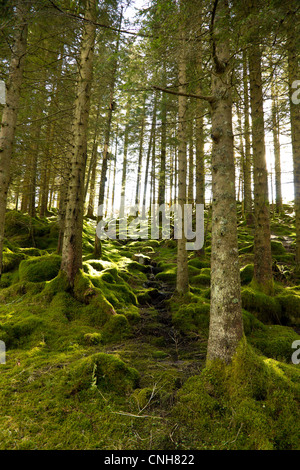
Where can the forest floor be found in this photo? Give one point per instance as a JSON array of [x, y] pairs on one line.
[[119, 363]]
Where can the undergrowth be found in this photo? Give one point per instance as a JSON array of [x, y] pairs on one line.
[[102, 367]]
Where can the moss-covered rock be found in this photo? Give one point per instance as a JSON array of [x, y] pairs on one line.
[[116, 329], [11, 260], [247, 405], [199, 263], [15, 332], [43, 268], [290, 307], [275, 341], [251, 323], [92, 338], [247, 273], [191, 317], [104, 371], [266, 308], [168, 272], [201, 279], [277, 248]]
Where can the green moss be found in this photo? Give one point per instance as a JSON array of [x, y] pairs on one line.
[[116, 329], [290, 307], [247, 405], [99, 310], [104, 371], [201, 280], [247, 273], [92, 338], [11, 260], [247, 248], [251, 323], [266, 308], [144, 397], [168, 272], [59, 284], [17, 223], [16, 331], [277, 248], [8, 278], [191, 317], [199, 263], [39, 269], [159, 354], [275, 341]]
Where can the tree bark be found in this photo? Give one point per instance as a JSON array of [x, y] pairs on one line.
[[98, 247], [276, 147], [151, 138], [226, 326], [248, 210], [140, 159], [293, 78], [262, 237], [10, 112], [182, 282], [72, 240]]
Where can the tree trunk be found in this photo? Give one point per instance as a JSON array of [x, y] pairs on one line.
[[276, 146], [191, 165], [182, 282], [162, 169], [262, 238], [226, 327], [139, 170], [10, 111], [98, 248], [248, 211], [294, 77], [124, 168], [72, 240], [200, 177], [149, 156]]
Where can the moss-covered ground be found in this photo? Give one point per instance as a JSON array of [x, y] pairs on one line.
[[119, 363]]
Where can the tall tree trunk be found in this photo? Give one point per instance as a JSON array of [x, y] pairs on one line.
[[93, 164], [248, 211], [98, 247], [262, 237], [276, 146], [149, 156], [124, 168], [114, 175], [182, 282], [226, 327], [163, 144], [72, 240], [294, 77], [191, 164], [10, 111], [199, 126], [139, 170]]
